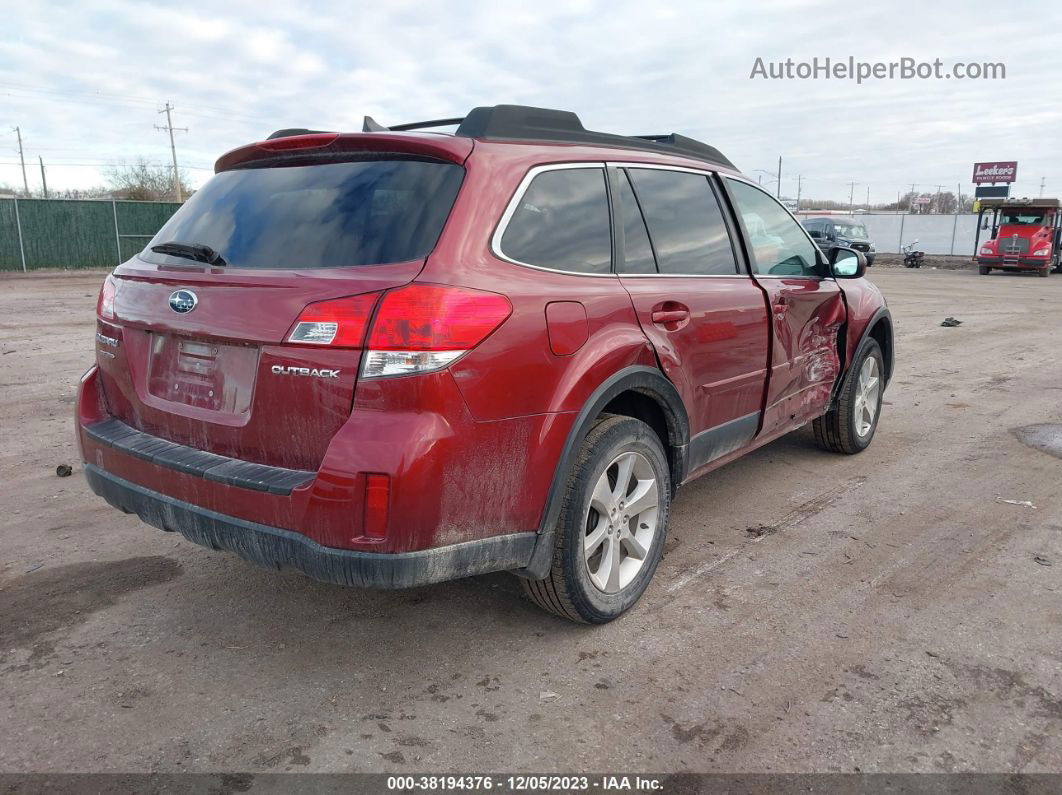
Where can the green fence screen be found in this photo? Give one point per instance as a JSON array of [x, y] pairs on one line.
[[71, 233]]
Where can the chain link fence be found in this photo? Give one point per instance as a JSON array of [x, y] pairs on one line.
[[76, 233]]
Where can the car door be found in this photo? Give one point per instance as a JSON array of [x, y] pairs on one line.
[[807, 308], [707, 320]]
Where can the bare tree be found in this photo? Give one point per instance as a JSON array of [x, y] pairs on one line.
[[144, 181]]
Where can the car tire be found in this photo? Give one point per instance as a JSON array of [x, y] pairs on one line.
[[850, 426], [870, 262], [984, 270], [593, 577], [1044, 272]]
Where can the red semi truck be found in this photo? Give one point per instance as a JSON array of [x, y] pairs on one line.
[[1026, 235]]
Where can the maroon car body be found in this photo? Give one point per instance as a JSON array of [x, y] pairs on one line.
[[213, 423]]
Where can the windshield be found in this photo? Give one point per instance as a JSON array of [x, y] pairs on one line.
[[857, 231], [1023, 217], [316, 216]]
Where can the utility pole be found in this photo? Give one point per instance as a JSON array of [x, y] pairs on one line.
[[800, 187], [44, 180], [1043, 180], [173, 149], [868, 197], [778, 191], [851, 195], [25, 182], [939, 188]]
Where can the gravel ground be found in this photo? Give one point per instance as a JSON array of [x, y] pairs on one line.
[[884, 612]]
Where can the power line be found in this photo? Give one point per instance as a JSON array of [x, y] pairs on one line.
[[173, 149], [96, 97], [104, 164]]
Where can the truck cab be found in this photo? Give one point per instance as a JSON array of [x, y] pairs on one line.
[[1025, 235]]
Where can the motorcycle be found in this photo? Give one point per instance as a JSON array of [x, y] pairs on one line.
[[912, 258]]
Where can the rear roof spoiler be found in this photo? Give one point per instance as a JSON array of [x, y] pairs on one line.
[[526, 123]]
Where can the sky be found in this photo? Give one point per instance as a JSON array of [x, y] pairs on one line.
[[84, 81]]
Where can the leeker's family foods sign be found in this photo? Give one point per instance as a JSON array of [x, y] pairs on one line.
[[1005, 171]]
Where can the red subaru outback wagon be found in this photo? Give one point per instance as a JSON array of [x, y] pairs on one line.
[[397, 357]]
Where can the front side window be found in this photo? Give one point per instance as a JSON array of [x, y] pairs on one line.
[[685, 222], [562, 223], [779, 245]]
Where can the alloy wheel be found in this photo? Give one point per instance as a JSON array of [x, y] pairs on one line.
[[621, 522], [868, 390]]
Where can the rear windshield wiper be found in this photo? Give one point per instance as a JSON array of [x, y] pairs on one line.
[[197, 251]]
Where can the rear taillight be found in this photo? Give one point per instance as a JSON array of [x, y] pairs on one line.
[[425, 327], [105, 303], [339, 322]]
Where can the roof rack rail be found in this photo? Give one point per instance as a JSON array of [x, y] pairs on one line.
[[371, 125], [526, 123], [522, 122]]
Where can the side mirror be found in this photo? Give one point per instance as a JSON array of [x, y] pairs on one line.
[[984, 222], [847, 263]]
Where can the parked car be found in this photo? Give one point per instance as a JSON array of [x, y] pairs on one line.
[[393, 358], [846, 232]]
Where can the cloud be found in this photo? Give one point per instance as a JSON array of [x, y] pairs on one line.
[[236, 71]]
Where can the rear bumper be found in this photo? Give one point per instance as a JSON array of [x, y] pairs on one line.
[[273, 547]]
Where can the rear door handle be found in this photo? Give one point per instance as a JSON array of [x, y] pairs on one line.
[[663, 316]]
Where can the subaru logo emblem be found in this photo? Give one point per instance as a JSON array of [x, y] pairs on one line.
[[183, 301]]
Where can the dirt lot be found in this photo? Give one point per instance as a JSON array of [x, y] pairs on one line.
[[814, 612]]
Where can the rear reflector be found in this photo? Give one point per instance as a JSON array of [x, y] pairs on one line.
[[314, 141], [425, 327], [377, 500], [339, 322]]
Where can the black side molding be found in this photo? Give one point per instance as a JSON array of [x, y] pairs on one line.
[[716, 442], [222, 469]]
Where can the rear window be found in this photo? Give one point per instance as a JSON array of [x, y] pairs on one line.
[[317, 216]]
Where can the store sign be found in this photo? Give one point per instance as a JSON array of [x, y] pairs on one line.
[[992, 191], [1003, 171]]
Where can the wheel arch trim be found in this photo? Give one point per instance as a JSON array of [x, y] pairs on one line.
[[888, 356], [637, 378]]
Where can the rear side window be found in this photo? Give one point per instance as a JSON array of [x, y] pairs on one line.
[[562, 223], [318, 216], [637, 251], [685, 222]]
